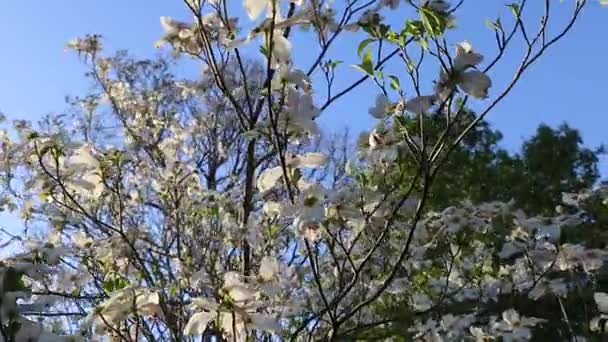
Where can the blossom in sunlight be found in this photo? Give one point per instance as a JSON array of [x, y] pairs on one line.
[[270, 177], [281, 49], [301, 112], [464, 75], [309, 205], [120, 305], [277, 45], [180, 35], [50, 252], [237, 315], [85, 173], [90, 44]]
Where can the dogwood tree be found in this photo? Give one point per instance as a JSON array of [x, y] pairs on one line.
[[171, 209]]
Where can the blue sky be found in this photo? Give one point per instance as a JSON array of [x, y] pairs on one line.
[[569, 83]]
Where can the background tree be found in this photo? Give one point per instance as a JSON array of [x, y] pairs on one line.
[[550, 163]]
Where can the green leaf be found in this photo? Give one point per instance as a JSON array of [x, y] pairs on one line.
[[333, 64], [367, 60], [108, 284], [515, 8], [363, 45], [13, 280], [114, 282], [410, 64], [264, 50], [396, 38], [395, 85], [494, 25], [296, 175], [414, 28], [424, 43], [367, 65], [434, 23]]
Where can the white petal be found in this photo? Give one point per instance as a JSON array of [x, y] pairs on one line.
[[475, 83], [537, 292], [269, 178], [148, 304], [204, 303], [272, 208], [282, 48], [601, 299], [232, 279], [236, 289], [312, 160], [83, 157], [198, 323], [233, 44], [269, 268], [241, 293], [421, 104], [510, 316], [169, 26], [466, 57], [255, 7]]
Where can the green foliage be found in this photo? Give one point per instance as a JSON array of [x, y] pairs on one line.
[[367, 64], [434, 23], [114, 282], [551, 162]]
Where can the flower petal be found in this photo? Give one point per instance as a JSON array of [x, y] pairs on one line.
[[420, 104], [255, 7], [269, 267], [466, 57], [269, 178], [198, 323], [601, 299], [475, 83], [312, 160]]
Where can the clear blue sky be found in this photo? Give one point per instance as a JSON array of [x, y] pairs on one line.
[[570, 83]]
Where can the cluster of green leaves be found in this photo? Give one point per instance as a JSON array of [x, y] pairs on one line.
[[430, 24]]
